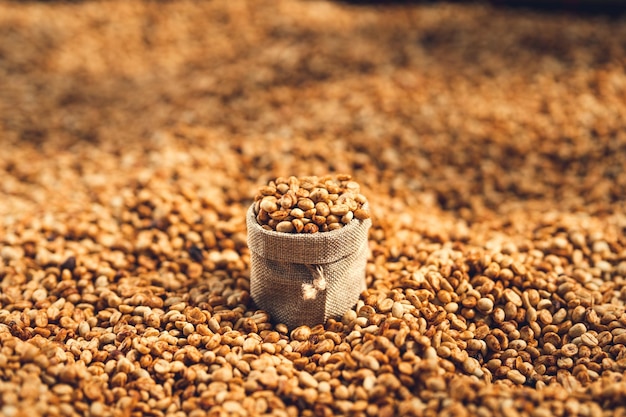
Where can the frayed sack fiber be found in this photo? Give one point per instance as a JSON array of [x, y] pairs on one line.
[[304, 279]]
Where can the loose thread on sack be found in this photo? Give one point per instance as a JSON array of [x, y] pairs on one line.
[[310, 291]]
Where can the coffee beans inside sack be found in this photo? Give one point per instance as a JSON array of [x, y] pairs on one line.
[[308, 243]]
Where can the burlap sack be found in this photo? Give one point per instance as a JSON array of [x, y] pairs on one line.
[[307, 278]]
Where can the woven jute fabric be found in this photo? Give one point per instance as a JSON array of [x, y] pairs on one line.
[[304, 279]]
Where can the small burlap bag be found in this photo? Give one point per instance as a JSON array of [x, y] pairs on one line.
[[304, 279]]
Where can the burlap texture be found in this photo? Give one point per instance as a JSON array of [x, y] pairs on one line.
[[307, 278]]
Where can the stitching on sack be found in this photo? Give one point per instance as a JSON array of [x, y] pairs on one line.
[[310, 291]]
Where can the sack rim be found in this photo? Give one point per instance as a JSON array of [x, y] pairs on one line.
[[316, 248]]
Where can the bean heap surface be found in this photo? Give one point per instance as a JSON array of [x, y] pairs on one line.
[[309, 204], [490, 143]]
